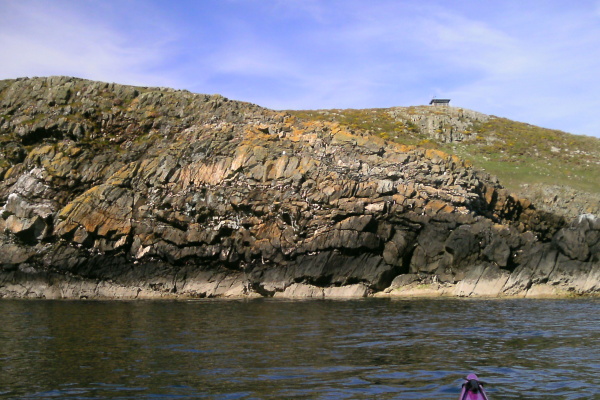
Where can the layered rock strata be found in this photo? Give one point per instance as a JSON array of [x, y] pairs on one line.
[[111, 191]]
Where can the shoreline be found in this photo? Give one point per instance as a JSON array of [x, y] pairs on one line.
[[70, 288]]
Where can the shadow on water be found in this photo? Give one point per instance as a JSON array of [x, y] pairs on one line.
[[269, 349]]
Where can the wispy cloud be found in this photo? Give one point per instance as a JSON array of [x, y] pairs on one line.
[[544, 74], [45, 38], [541, 72]]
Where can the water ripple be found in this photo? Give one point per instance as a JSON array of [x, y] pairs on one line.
[[268, 349]]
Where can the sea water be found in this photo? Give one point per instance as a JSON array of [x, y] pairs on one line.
[[270, 349]]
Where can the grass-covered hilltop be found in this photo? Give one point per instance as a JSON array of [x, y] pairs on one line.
[[559, 172], [114, 191]]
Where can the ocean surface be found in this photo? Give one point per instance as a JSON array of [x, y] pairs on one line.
[[268, 349]]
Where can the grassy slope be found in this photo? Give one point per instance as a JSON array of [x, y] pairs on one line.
[[523, 153], [516, 152]]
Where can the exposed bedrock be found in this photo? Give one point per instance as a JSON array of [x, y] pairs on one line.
[[110, 191]]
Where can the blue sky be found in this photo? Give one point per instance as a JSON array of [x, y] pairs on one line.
[[528, 60]]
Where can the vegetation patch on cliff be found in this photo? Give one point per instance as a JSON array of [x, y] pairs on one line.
[[527, 159]]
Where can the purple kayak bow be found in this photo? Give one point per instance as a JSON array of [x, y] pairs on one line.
[[472, 389]]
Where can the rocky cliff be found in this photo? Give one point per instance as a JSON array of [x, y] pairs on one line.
[[126, 192], [557, 171]]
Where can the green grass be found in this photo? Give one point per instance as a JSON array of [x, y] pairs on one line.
[[520, 153], [376, 121]]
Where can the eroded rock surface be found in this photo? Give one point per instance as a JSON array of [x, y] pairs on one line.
[[443, 124], [122, 192]]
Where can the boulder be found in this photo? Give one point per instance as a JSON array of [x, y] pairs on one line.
[[572, 243], [27, 230]]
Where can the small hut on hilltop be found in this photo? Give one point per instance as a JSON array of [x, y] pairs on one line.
[[440, 102]]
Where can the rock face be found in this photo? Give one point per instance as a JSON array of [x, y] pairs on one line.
[[562, 200], [122, 192], [448, 125]]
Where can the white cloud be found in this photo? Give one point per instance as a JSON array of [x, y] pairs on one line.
[[543, 72], [251, 58], [43, 39]]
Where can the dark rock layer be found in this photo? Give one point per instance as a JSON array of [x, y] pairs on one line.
[[122, 192]]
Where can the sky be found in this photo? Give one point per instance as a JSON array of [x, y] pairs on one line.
[[527, 60]]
